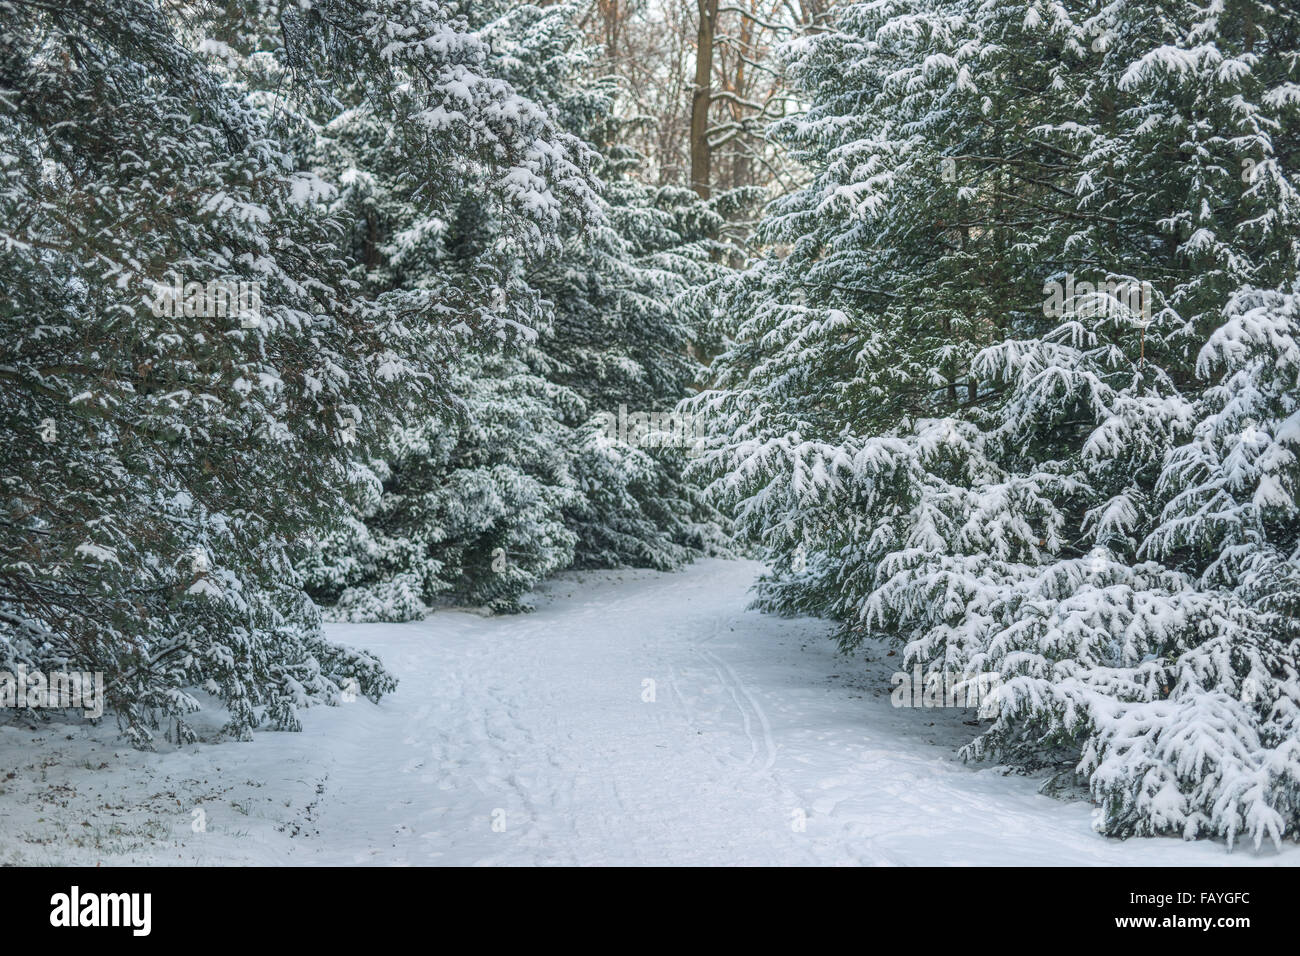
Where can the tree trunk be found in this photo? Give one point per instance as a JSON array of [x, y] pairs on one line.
[[702, 96]]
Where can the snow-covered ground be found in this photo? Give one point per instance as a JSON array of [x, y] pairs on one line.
[[539, 739]]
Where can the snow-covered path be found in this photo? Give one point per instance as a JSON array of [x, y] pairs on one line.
[[635, 718]]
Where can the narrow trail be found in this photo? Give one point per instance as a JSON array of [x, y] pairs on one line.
[[655, 720], [634, 718]]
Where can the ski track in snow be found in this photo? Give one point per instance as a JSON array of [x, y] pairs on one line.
[[526, 740]]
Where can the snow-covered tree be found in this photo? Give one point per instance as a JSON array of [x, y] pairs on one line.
[[621, 336], [967, 406], [466, 510], [522, 480], [191, 369], [625, 342]]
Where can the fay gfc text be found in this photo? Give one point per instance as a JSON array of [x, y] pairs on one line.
[[1160, 899]]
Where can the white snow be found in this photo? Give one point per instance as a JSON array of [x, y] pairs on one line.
[[538, 722]]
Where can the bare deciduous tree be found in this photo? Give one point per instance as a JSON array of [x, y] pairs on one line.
[[701, 81]]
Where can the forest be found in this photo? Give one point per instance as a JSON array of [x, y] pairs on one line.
[[972, 327]]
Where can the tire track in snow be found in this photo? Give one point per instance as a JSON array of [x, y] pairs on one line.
[[735, 698], [769, 741]]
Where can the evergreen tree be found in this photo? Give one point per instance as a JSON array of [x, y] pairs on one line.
[[523, 479], [620, 336], [929, 449], [169, 453], [628, 345]]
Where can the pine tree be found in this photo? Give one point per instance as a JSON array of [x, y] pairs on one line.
[[929, 449], [175, 439], [522, 480], [629, 346], [618, 334]]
